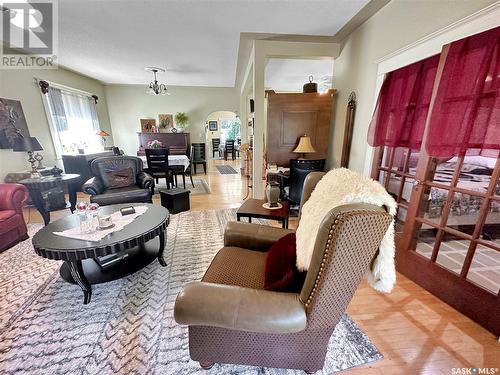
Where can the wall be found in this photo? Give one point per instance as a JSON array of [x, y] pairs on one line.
[[395, 26], [129, 103], [20, 85]]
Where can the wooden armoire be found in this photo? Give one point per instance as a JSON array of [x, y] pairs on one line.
[[290, 116]]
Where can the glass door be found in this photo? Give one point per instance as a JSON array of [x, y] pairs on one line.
[[451, 241]]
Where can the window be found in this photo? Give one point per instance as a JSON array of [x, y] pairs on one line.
[[230, 129], [74, 122]]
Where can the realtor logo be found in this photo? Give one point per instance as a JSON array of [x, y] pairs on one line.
[[29, 34]]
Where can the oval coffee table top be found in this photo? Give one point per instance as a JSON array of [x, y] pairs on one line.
[[144, 228]]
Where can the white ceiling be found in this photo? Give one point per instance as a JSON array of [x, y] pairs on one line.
[[195, 40], [291, 74]]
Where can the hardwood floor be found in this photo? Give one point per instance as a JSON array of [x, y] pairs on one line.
[[415, 331]]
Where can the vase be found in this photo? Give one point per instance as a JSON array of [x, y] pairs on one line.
[[272, 193]]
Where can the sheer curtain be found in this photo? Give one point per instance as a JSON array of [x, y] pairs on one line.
[[466, 113], [75, 121], [402, 106]]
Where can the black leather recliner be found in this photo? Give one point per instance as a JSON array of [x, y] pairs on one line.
[[119, 179], [299, 169]]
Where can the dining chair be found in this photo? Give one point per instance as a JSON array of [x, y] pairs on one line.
[[179, 170], [215, 146], [158, 167], [199, 156], [230, 149], [238, 147]]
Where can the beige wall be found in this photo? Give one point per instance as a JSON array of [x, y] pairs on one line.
[[20, 85], [395, 26], [129, 103]]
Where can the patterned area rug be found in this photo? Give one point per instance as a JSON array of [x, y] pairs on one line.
[[226, 169], [200, 185], [128, 327]]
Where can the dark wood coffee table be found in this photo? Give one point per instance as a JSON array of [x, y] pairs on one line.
[[138, 244], [252, 208]]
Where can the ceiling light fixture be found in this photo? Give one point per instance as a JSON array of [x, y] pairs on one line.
[[154, 87]]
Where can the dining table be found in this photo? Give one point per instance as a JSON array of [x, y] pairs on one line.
[[182, 160]]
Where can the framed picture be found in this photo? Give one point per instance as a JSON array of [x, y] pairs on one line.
[[166, 122], [148, 125], [212, 126], [12, 123]]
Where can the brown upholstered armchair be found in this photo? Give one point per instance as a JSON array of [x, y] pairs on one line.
[[232, 319]]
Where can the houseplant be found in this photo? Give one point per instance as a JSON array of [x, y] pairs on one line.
[[181, 120]]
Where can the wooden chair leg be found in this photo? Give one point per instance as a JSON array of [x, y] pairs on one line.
[[191, 177], [194, 168], [184, 180], [206, 365], [205, 167]]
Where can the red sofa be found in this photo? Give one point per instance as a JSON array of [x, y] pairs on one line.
[[12, 226]]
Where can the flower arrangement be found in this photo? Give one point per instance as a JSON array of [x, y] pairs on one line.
[[155, 144]]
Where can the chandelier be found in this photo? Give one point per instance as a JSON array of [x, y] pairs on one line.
[[154, 87]]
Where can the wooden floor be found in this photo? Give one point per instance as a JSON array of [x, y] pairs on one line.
[[415, 331]]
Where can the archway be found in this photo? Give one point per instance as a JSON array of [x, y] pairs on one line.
[[223, 125]]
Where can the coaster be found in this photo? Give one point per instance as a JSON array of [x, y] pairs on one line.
[[267, 207]]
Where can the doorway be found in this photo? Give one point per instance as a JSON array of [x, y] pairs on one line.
[[220, 127]]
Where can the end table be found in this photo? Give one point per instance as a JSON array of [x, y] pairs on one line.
[[37, 185], [252, 208]]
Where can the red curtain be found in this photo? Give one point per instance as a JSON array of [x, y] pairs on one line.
[[466, 114], [402, 106]]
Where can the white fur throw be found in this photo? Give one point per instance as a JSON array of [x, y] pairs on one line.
[[338, 187]]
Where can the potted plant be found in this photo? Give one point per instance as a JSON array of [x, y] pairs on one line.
[[181, 120]]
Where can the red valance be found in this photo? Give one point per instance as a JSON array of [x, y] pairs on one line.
[[466, 112], [402, 106]]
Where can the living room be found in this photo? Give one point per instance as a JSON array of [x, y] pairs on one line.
[[250, 187]]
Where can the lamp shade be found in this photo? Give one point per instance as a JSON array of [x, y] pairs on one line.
[[103, 133], [304, 146], [27, 144]]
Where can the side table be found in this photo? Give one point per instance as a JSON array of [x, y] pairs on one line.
[[37, 185], [252, 208]]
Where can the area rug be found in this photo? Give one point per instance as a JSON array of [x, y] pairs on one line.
[[200, 186], [226, 169], [128, 327]]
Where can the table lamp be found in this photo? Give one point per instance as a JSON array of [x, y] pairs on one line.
[[103, 134], [29, 144], [304, 146]]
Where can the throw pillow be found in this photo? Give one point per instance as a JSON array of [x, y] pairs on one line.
[[281, 274], [120, 178]]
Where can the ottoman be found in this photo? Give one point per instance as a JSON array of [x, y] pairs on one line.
[[175, 200]]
